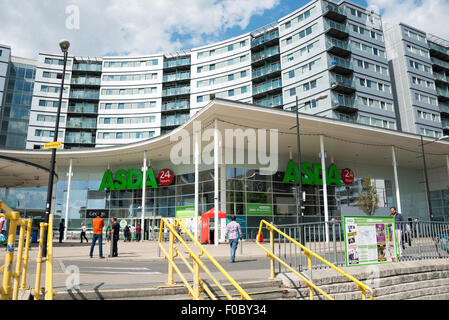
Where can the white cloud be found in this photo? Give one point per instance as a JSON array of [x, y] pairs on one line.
[[122, 26], [430, 16]]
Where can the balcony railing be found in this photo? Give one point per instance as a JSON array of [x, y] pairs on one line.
[[334, 12], [343, 83], [178, 105], [440, 63], [438, 48], [81, 124], [83, 109], [340, 63], [441, 77], [443, 92], [87, 81], [176, 77], [265, 54], [79, 139], [444, 107], [337, 43], [87, 67], [335, 25], [266, 70], [265, 38], [175, 91], [93, 95], [177, 63], [267, 86], [445, 124], [344, 104], [273, 102], [174, 121]]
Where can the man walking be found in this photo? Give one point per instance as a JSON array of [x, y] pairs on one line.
[[83, 233], [115, 236], [399, 221], [98, 224], [138, 232], [61, 230], [233, 231]]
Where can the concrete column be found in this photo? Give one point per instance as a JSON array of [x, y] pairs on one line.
[[396, 180], [69, 182], [197, 183], [323, 170], [144, 192], [216, 180]]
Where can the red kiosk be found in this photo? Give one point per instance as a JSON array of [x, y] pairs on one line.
[[207, 233]]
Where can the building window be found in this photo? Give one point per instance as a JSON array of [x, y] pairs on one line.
[[199, 99], [231, 93]]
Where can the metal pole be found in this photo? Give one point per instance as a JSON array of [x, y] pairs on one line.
[[396, 180], [447, 163], [299, 214], [429, 204], [197, 182], [216, 159], [144, 189], [323, 173], [53, 157], [66, 222]]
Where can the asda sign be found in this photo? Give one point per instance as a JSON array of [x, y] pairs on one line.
[[127, 180], [311, 174]]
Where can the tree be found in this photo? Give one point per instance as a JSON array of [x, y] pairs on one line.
[[368, 200]]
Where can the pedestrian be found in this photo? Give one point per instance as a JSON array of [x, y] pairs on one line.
[[61, 230], [126, 234], [3, 223], [115, 232], [108, 233], [138, 232], [133, 231], [233, 231], [98, 224], [399, 221], [150, 233], [83, 233]]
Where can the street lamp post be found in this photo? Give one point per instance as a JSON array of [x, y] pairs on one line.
[[64, 45], [429, 203]]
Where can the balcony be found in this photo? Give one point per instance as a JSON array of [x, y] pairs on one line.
[[334, 12], [84, 95], [267, 53], [179, 62], [439, 65], [342, 85], [81, 124], [87, 67], [79, 139], [86, 81], [272, 102], [344, 104], [267, 86], [83, 108], [338, 47], [443, 94], [261, 72], [438, 51], [340, 66], [174, 121], [267, 39], [175, 91], [176, 77], [441, 77], [336, 30], [176, 105], [444, 108]]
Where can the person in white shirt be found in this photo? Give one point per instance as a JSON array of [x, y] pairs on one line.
[[133, 231], [83, 232], [3, 225]]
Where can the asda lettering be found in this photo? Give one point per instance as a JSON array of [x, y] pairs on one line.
[[311, 174], [127, 180]]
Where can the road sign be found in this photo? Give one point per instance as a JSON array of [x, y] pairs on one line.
[[53, 145]]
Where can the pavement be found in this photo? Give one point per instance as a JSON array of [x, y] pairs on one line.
[[139, 264]]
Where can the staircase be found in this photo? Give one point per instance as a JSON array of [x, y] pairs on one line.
[[258, 290]]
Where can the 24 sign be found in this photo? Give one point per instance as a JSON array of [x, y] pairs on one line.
[[347, 176], [165, 177]]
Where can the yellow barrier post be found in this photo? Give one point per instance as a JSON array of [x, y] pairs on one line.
[[7, 272], [39, 261], [272, 275], [49, 261], [171, 259], [196, 280], [309, 264], [15, 293], [27, 254]]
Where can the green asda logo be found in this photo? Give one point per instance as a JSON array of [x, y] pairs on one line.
[[311, 174], [127, 180]]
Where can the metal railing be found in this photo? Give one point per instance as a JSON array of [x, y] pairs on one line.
[[198, 285], [9, 291], [309, 254], [48, 290]]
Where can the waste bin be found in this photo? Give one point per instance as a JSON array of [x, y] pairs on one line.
[[34, 234]]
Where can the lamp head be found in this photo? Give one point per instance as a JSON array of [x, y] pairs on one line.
[[64, 45]]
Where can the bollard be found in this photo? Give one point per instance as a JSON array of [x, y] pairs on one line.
[[335, 242]]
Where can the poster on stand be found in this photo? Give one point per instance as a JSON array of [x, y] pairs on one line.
[[369, 240]]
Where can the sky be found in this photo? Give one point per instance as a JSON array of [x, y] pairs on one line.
[[139, 27]]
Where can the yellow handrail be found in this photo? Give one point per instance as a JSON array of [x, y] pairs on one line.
[[7, 290], [307, 252], [48, 290], [199, 285]]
